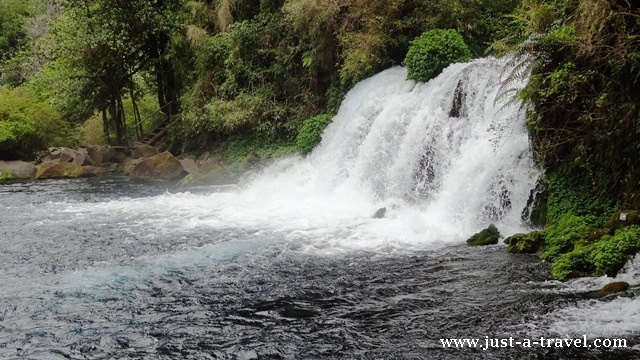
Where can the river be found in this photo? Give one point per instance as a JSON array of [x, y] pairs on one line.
[[290, 264]]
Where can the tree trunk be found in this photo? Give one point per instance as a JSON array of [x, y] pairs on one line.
[[105, 125]]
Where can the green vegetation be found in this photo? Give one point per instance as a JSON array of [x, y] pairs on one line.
[[582, 58], [310, 132], [488, 236], [525, 243], [434, 50], [5, 175], [28, 124]]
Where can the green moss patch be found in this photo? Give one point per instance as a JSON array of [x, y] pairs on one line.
[[488, 236]]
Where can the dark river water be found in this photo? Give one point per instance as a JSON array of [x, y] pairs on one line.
[[110, 269]]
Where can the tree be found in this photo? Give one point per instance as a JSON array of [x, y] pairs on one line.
[[107, 42]]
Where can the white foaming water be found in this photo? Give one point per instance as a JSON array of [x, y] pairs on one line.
[[442, 174], [597, 318]]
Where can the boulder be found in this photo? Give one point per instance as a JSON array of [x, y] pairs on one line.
[[160, 167], [101, 154], [128, 166], [525, 243], [614, 287], [189, 165], [142, 150], [379, 214], [82, 158], [17, 169], [488, 236], [62, 154], [56, 169]]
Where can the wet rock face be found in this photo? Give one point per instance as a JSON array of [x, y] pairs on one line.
[[379, 214], [457, 107], [160, 167]]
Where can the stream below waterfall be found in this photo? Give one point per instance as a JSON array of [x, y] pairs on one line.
[[290, 264]]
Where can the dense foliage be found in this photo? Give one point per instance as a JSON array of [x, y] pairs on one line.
[[583, 59], [310, 132], [28, 124], [434, 50]]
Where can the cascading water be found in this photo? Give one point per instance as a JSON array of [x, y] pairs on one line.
[[291, 264], [443, 157]]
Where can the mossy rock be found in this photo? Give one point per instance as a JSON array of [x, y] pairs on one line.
[[525, 243], [488, 236], [159, 167], [623, 218], [57, 170]]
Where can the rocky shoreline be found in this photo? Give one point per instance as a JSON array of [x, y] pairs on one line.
[[138, 161]]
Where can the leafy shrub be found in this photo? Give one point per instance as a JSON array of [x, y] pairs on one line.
[[434, 50], [28, 125], [310, 132], [606, 256], [562, 235], [240, 148]]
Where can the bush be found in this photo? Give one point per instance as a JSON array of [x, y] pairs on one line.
[[310, 132], [28, 125], [604, 257], [434, 50]]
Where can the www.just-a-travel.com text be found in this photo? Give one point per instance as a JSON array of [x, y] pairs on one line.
[[495, 343]]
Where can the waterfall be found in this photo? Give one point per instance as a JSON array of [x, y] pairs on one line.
[[443, 157], [444, 153]]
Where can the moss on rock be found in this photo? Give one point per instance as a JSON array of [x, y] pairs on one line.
[[623, 218], [606, 256], [488, 236], [57, 170], [525, 243]]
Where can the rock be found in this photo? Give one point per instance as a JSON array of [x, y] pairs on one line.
[[525, 243], [208, 162], [61, 154], [142, 150], [488, 236], [189, 165], [623, 218], [159, 167], [614, 287], [101, 154], [129, 165], [98, 171], [379, 214], [17, 169], [55, 169], [82, 158]]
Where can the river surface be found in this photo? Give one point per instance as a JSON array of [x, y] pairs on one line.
[[86, 274]]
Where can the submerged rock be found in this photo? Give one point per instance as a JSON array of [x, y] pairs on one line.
[[379, 214], [525, 243], [614, 287], [160, 167], [488, 236]]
